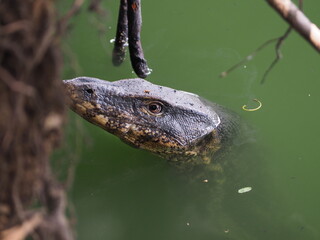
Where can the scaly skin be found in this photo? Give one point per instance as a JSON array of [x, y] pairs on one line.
[[176, 125], [189, 131]]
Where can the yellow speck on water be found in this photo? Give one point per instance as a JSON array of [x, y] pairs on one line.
[[244, 107], [205, 180]]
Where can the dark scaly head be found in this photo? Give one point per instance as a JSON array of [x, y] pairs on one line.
[[174, 124]]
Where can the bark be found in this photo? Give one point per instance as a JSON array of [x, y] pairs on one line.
[[298, 20], [32, 112]]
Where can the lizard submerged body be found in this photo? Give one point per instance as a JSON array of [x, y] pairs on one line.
[[176, 125]]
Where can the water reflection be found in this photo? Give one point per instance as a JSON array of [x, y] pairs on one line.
[[159, 201]]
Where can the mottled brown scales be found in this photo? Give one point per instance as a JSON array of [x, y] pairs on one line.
[[177, 125]]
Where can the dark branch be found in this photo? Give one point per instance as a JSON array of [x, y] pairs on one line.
[[138, 62], [121, 40], [129, 27]]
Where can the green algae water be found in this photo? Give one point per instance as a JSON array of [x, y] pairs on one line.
[[125, 193]]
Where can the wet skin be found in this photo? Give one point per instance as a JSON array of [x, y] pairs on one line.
[[176, 125]]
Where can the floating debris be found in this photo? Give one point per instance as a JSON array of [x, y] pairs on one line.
[[223, 74], [112, 40], [205, 180], [149, 71], [244, 107], [188, 224], [245, 189], [227, 231]]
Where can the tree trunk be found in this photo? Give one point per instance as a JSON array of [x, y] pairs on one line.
[[32, 112]]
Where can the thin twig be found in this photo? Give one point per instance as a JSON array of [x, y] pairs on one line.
[[278, 53], [279, 42], [278, 48], [248, 58]]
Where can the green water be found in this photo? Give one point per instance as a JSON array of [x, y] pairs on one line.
[[124, 193]]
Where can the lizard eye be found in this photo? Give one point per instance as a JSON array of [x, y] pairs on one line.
[[155, 108]]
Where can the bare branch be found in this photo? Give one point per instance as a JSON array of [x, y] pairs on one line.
[[279, 41], [296, 18], [128, 30], [248, 58], [138, 62], [121, 40], [278, 53]]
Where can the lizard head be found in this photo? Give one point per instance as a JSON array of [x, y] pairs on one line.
[[165, 121]]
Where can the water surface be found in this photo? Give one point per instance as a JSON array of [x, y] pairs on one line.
[[124, 193]]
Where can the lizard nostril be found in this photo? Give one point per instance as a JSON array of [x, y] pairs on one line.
[[89, 90]]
